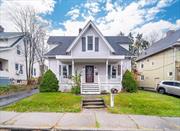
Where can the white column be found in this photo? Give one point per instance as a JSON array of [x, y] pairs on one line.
[[107, 62], [121, 69], [73, 73]]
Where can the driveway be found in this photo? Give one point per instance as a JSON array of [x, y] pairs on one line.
[[87, 120]]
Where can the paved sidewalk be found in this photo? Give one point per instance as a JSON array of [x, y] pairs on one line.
[[90, 120]]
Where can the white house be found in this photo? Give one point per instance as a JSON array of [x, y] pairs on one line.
[[100, 60], [12, 60]]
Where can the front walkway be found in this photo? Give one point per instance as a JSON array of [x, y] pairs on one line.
[[87, 120]]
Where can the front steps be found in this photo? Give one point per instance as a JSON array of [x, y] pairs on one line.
[[92, 88], [93, 103]]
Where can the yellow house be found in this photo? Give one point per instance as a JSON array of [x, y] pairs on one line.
[[160, 62]]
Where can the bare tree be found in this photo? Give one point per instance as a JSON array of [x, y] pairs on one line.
[[154, 37], [31, 25]]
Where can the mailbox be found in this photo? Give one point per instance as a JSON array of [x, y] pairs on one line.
[[114, 91]]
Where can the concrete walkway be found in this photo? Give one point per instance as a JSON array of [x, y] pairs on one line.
[[90, 120]]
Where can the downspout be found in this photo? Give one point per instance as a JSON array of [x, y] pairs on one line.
[[174, 58]]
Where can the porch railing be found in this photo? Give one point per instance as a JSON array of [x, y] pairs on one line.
[[99, 83]]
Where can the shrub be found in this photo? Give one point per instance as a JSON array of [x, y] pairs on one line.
[[75, 90], [49, 82], [128, 82], [77, 82]]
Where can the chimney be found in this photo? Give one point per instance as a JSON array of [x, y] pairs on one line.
[[80, 30], [1, 29], [170, 32]]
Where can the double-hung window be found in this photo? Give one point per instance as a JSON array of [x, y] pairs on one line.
[[21, 69], [66, 71], [18, 50], [16, 67], [90, 43], [112, 71]]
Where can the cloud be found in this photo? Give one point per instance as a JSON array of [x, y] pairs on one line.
[[137, 16], [6, 6], [74, 13]]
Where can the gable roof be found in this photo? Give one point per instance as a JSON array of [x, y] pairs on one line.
[[63, 42], [8, 35], [161, 45], [5, 35], [90, 23]]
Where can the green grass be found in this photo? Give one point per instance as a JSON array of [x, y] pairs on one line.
[[145, 103], [8, 89], [48, 102]]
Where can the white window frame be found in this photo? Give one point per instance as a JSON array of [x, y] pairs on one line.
[[62, 72], [18, 49], [92, 43], [141, 78], [111, 65], [169, 74]]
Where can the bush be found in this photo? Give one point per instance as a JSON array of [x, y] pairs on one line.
[[128, 82], [75, 90], [49, 82], [77, 82]]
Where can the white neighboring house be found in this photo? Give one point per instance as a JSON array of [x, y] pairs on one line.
[[12, 60], [100, 60]]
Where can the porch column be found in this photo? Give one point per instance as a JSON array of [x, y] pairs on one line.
[[107, 63], [121, 69], [73, 73]]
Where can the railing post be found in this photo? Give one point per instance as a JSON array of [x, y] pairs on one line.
[[107, 85], [81, 83]]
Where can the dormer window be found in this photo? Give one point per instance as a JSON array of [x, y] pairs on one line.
[[18, 50], [90, 43]]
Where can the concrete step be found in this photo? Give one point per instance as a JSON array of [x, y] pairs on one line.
[[90, 89], [93, 106], [93, 100], [93, 103]]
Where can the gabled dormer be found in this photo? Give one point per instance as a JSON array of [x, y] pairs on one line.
[[90, 42]]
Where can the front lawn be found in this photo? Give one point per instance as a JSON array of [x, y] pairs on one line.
[[145, 103], [8, 89], [48, 102]]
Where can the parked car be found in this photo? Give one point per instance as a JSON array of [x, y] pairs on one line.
[[169, 87]]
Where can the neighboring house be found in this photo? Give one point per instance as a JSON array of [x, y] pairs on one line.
[[161, 61], [12, 59], [100, 60]]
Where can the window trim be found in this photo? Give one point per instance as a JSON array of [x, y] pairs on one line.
[[141, 78], [18, 51], [88, 43], [68, 71], [110, 77]]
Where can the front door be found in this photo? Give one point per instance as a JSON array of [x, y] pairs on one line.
[[89, 74]]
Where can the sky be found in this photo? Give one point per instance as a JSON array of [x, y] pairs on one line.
[[65, 17]]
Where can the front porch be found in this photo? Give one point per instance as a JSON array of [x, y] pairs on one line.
[[4, 72], [96, 75]]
